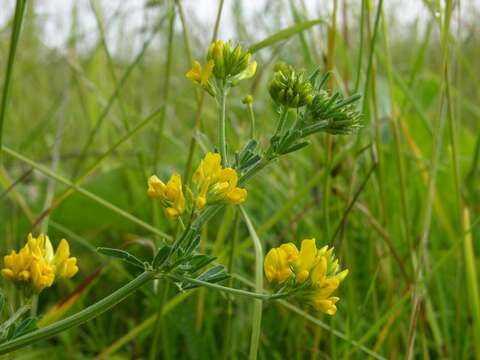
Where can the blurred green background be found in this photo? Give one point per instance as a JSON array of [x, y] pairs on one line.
[[393, 198]]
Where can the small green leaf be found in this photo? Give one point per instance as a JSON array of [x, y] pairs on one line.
[[193, 245], [213, 275], [2, 302], [123, 255], [161, 257], [295, 147], [24, 327], [197, 262], [11, 332]]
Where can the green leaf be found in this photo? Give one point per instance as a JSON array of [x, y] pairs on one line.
[[213, 275], [123, 255], [284, 34], [296, 147], [161, 256], [11, 332], [2, 302], [193, 245], [24, 327], [197, 262]]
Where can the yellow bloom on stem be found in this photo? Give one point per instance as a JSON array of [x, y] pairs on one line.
[[276, 265], [216, 184], [65, 266], [201, 76], [171, 194], [319, 266], [37, 263], [43, 274], [17, 266], [325, 281], [307, 259]]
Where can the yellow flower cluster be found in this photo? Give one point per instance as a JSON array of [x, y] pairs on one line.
[[37, 263], [212, 184], [216, 184], [171, 194], [316, 270]]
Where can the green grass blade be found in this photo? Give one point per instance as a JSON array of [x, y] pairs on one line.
[[284, 34]]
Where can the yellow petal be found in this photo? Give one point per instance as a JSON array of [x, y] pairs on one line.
[[62, 253], [200, 202], [291, 251], [156, 187], [302, 276], [308, 255], [236, 196], [319, 271], [8, 274], [276, 266], [206, 73], [171, 213], [326, 306], [194, 74]]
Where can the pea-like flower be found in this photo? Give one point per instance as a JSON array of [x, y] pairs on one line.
[[311, 274], [215, 184], [231, 64], [201, 76], [289, 87], [277, 264], [37, 264], [170, 195]]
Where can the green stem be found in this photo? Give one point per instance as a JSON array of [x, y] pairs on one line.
[[17, 24], [257, 306], [281, 121], [227, 347], [255, 295], [252, 121], [222, 137], [79, 318]]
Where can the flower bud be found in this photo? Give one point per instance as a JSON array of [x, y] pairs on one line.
[[289, 87], [230, 64]]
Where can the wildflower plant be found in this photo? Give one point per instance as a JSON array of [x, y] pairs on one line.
[[310, 275]]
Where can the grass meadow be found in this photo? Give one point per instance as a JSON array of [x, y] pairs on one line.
[[84, 124]]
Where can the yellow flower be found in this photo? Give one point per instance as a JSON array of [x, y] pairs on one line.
[[319, 266], [201, 76], [43, 274], [307, 259], [17, 266], [38, 264], [326, 306], [276, 265], [216, 184], [325, 280], [171, 194], [65, 266]]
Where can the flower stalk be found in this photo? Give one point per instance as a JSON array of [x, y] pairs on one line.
[[222, 136]]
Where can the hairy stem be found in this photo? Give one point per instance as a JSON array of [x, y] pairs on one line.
[[222, 137]]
